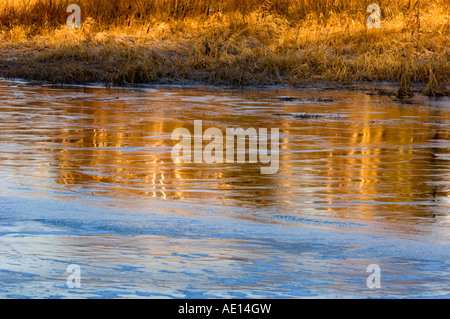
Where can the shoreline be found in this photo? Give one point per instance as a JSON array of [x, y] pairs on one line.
[[381, 88], [34, 72]]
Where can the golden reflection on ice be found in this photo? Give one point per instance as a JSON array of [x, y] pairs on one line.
[[371, 158]]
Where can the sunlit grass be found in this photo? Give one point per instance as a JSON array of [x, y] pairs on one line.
[[230, 42]]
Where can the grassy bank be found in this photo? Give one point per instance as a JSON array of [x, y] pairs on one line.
[[228, 42]]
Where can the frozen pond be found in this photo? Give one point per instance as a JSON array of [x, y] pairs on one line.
[[87, 179]]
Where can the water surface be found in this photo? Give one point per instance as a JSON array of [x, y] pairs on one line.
[[88, 179]]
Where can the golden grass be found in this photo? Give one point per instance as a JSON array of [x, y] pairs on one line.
[[228, 42], [119, 12]]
